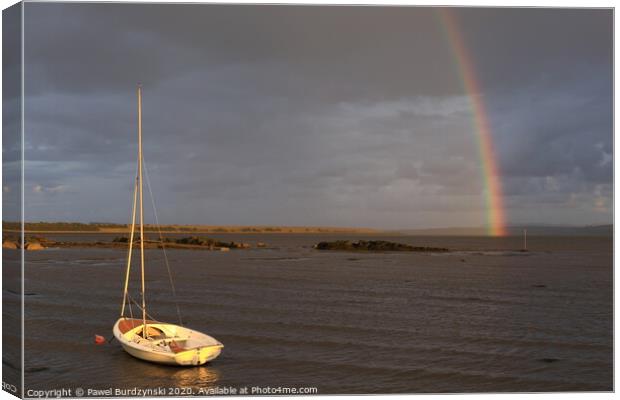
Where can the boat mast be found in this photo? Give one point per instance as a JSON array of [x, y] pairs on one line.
[[144, 327]]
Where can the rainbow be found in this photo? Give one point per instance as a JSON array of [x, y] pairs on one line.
[[496, 222]]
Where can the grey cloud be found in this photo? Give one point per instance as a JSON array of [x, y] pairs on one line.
[[315, 115]]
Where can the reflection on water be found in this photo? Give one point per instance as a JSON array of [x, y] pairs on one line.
[[479, 319], [173, 376], [204, 377]]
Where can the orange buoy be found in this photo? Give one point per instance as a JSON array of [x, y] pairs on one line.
[[99, 339]]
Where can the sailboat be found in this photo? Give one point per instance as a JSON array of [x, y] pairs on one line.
[[149, 339]]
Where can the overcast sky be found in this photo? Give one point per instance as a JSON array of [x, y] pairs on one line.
[[291, 115]]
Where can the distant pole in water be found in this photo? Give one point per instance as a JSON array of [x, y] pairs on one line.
[[525, 239]]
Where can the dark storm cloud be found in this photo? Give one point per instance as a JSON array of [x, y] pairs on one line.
[[315, 115], [554, 47], [555, 123], [109, 46]]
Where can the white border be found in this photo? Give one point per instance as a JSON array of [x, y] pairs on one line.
[[478, 3]]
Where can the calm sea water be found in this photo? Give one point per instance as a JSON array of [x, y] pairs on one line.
[[482, 318]]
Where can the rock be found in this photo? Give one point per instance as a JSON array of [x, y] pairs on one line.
[[34, 246], [9, 244], [224, 248], [240, 245], [195, 240], [374, 245], [548, 360], [261, 244], [208, 243]]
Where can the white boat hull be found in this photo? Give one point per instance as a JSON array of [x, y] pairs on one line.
[[168, 343]]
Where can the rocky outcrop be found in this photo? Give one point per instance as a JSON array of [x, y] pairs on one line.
[[375, 245], [32, 243], [208, 242], [10, 244], [189, 243]]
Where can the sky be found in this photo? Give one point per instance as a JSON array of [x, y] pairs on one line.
[[322, 116]]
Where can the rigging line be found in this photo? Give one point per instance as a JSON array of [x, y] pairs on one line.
[[129, 304], [161, 239], [131, 299]]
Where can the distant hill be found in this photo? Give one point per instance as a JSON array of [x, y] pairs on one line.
[[101, 227], [534, 230]]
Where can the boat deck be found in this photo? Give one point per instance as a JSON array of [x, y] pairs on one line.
[[128, 324]]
